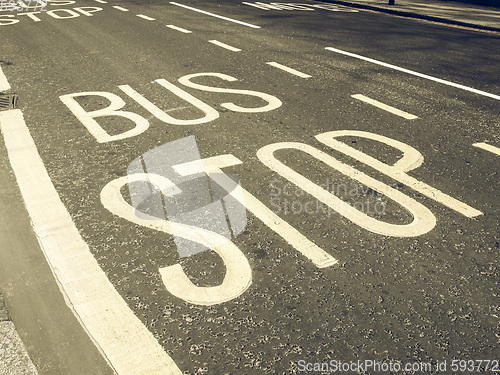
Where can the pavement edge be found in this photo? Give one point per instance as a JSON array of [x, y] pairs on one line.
[[412, 15]]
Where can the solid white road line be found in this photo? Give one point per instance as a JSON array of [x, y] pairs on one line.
[[120, 8], [289, 70], [215, 15], [121, 337], [487, 147], [224, 45], [439, 80], [179, 29], [145, 17], [4, 84], [385, 107]]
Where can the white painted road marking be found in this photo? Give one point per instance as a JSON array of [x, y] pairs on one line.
[[439, 80], [238, 275], [272, 101], [120, 8], [299, 6], [289, 70], [121, 337], [101, 1], [145, 17], [210, 113], [215, 15], [411, 159], [115, 104], [487, 147], [224, 45], [179, 29], [385, 107], [212, 167], [4, 84], [423, 219]]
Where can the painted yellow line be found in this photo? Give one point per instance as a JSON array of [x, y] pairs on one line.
[[385, 107]]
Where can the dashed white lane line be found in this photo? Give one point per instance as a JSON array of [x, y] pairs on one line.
[[439, 80], [289, 70], [4, 84], [487, 147], [101, 1], [215, 15], [120, 336], [145, 17], [179, 29], [385, 107], [120, 8], [224, 45]]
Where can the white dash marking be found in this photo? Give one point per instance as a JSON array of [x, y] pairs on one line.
[[215, 15], [120, 336], [488, 147], [179, 29], [289, 70], [385, 107], [224, 45], [4, 84], [439, 80], [101, 1], [145, 17], [120, 8]]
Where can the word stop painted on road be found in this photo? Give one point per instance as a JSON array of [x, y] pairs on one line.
[[238, 272], [141, 124], [58, 14]]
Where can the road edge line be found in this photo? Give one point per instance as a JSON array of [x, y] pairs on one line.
[[124, 341]]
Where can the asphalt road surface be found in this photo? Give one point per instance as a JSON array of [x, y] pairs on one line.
[[229, 188]]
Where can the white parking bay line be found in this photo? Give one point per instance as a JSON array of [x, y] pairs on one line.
[[487, 147], [215, 15], [120, 336], [224, 45], [289, 70], [385, 107], [4, 84], [439, 80], [120, 8], [179, 29], [145, 17]]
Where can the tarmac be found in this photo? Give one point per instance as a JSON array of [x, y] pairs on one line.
[[14, 358]]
